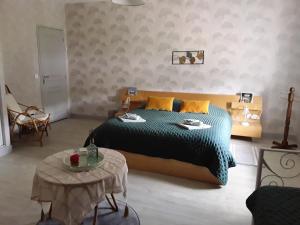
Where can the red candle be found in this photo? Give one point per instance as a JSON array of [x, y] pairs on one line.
[[74, 159]]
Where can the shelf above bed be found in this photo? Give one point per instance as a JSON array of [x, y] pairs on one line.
[[230, 103]]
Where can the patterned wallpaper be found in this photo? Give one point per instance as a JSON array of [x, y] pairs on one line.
[[250, 45]]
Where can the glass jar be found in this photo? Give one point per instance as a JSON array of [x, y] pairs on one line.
[[92, 152]]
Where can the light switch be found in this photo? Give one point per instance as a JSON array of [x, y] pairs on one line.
[[36, 76]]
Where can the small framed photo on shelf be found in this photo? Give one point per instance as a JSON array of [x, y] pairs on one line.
[[132, 91], [246, 97]]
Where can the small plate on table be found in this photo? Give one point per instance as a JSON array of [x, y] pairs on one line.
[[83, 166]]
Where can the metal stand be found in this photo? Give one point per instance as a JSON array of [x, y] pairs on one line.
[[113, 205]]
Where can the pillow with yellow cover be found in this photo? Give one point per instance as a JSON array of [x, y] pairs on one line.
[[195, 106], [160, 103]]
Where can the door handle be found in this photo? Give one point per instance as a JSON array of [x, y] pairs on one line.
[[45, 77]]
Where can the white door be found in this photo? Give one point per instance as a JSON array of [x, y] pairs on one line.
[[1, 138], [53, 71]]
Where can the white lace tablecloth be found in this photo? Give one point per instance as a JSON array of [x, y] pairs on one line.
[[74, 195]]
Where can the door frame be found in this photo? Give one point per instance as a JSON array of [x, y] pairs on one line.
[[67, 67], [5, 147]]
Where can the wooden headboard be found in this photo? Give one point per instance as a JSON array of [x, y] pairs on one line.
[[222, 101]]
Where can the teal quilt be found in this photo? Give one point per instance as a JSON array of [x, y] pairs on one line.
[[160, 136]]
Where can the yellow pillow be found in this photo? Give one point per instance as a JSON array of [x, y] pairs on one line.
[[160, 103], [195, 106]]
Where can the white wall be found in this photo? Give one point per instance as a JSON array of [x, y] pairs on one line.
[[20, 53], [249, 46], [5, 146]]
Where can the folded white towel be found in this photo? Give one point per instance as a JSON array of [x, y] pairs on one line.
[[192, 122], [192, 127], [141, 120], [131, 118]]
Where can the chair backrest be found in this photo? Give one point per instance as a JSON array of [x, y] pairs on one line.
[[13, 105]]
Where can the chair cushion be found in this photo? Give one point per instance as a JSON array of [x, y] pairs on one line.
[[12, 104], [35, 115]]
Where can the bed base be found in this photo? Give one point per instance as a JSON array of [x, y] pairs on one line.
[[169, 167]]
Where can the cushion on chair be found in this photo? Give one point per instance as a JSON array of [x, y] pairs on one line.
[[271, 205], [12, 104], [36, 115]]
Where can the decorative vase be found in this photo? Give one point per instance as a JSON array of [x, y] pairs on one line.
[[92, 151]]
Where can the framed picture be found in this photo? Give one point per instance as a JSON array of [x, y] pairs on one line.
[[132, 91], [187, 57], [246, 97]]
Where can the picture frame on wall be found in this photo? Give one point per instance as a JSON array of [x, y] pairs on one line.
[[246, 97], [188, 57]]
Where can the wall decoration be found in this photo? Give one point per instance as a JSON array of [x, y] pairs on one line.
[[187, 57]]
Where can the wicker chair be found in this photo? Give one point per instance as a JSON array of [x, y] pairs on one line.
[[31, 119]]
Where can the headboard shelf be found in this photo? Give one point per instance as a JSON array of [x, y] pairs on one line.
[[229, 103], [222, 101]]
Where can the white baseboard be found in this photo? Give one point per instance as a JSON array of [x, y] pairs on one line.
[[4, 150], [81, 116]]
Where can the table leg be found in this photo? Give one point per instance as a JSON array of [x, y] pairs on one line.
[[50, 212], [114, 200], [95, 215], [113, 204], [42, 215]]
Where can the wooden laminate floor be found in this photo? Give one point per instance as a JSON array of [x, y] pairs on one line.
[[158, 199]]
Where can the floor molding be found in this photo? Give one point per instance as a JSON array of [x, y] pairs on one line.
[[81, 116], [4, 150]]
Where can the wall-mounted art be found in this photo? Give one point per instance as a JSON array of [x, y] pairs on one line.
[[187, 57]]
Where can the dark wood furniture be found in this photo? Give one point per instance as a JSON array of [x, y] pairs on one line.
[[285, 144]]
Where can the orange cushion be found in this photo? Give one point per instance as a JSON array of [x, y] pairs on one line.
[[195, 106], [160, 103]]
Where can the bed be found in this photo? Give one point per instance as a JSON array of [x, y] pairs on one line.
[[160, 145]]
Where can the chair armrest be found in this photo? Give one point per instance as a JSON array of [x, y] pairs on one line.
[[31, 108], [19, 114]]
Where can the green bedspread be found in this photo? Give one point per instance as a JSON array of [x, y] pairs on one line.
[[159, 136]]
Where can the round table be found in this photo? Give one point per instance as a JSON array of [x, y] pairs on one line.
[[74, 194]]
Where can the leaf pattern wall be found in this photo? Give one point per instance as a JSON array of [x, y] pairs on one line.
[[250, 45]]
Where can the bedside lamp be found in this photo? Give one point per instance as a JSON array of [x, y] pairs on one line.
[[126, 103]]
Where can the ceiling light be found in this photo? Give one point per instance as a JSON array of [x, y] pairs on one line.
[[128, 2]]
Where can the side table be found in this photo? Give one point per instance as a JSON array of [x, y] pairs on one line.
[[73, 195]]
